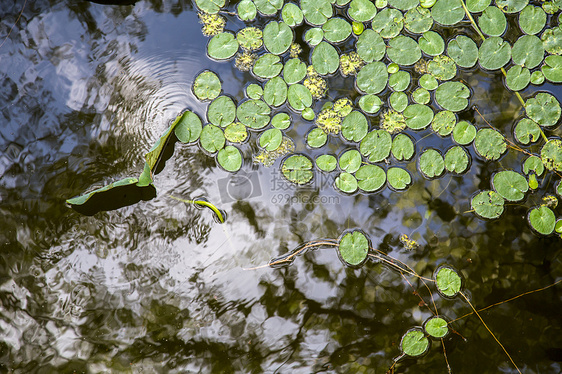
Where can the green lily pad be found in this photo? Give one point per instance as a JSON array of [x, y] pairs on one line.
[[494, 53], [533, 164], [436, 327], [313, 36], [308, 114], [398, 101], [388, 23], [442, 67], [457, 160], [421, 96], [372, 78], [432, 43], [370, 178], [336, 30], [207, 86], [210, 6], [527, 51], [350, 161], [316, 138], [544, 109], [552, 40], [361, 10], [402, 147], [551, 154], [463, 50], [398, 178], [448, 281], [281, 121], [532, 19], [316, 12], [353, 248], [552, 69], [346, 182], [268, 7], [464, 133], [354, 126], [230, 158], [325, 59], [490, 144], [271, 139], [267, 66], [299, 97], [431, 163], [418, 116], [246, 10], [510, 185], [188, 128], [297, 169], [414, 343], [452, 96], [418, 20], [254, 91], [212, 138], [399, 81], [428, 82], [447, 12], [403, 5], [294, 71], [542, 219], [492, 22], [236, 132], [527, 131], [477, 6], [370, 104], [537, 78], [517, 78], [222, 46], [277, 37], [370, 46], [403, 50], [254, 114], [512, 6], [488, 204], [222, 111], [80, 200], [444, 122], [326, 163], [292, 15], [275, 92], [376, 145]]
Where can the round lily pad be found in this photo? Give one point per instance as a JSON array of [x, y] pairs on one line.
[[442, 67], [308, 114], [488, 204], [532, 19], [207, 86], [267, 66], [188, 128], [398, 178], [457, 160], [429, 82], [552, 69], [418, 20], [254, 91], [236, 132], [544, 109], [281, 121], [399, 81], [325, 59], [336, 30], [452, 96], [316, 138], [447, 12], [492, 22], [398, 101], [212, 138], [326, 163], [388, 23], [294, 71], [542, 219], [552, 40], [299, 97], [354, 126], [372, 78], [511, 185], [402, 147], [414, 343], [370, 178], [361, 10], [210, 6], [490, 144], [517, 78], [537, 78], [277, 37], [222, 46], [254, 114], [370, 46], [316, 12], [463, 50], [230, 158], [346, 182], [418, 116], [551, 154], [527, 131], [436, 327], [432, 43], [431, 163], [370, 104], [464, 133], [353, 248], [292, 14], [350, 161], [533, 164], [268, 7], [246, 10], [477, 6], [313, 36], [421, 96], [271, 139], [297, 169], [403, 5], [376, 145], [448, 281], [494, 53], [222, 111], [403, 50], [275, 92], [528, 51], [512, 6]]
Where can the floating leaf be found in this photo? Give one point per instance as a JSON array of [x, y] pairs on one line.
[[444, 122], [80, 200], [336, 30], [230, 158], [490, 144], [418, 20], [544, 109], [464, 133], [532, 19], [421, 96], [457, 160], [370, 178], [308, 114], [517, 78], [294, 71], [370, 46], [448, 281], [346, 182], [431, 163], [512, 6], [551, 154], [222, 111], [418, 116], [222, 46], [361, 10], [281, 121], [271, 139], [299, 97], [542, 219], [188, 128], [527, 51], [494, 53], [254, 91], [207, 86], [326, 163], [275, 92], [212, 138], [510, 185], [354, 126], [527, 131], [452, 96], [314, 36], [492, 22], [432, 43], [268, 7], [398, 101], [463, 51], [537, 77], [402, 147], [403, 5], [442, 68], [325, 59], [277, 37], [254, 114], [292, 14], [350, 161], [210, 6], [399, 81], [267, 66], [403, 50], [353, 248], [372, 78], [534, 164], [437, 327], [398, 178], [297, 169], [477, 6], [376, 145], [552, 69], [316, 138], [370, 104], [447, 12], [236, 132], [552, 40], [414, 343], [388, 23], [316, 12], [488, 204], [246, 10]]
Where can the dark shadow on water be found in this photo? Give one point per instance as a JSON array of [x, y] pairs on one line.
[[116, 198]]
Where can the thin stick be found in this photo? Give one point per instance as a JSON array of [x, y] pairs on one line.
[[14, 25]]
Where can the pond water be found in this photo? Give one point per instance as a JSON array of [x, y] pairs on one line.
[[160, 287]]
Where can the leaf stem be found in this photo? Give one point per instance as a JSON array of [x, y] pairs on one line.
[[202, 203]]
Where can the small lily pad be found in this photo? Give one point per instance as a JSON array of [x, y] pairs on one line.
[[325, 59], [533, 164], [402, 147], [429, 82], [370, 103], [464, 133], [418, 20], [512, 6], [350, 161], [336, 30], [353, 248], [494, 53], [414, 343], [388, 23], [246, 10], [399, 81], [447, 12], [452, 96], [207, 86], [442, 67], [488, 204], [448, 281], [316, 12], [271, 139], [544, 109], [517, 78], [457, 160], [210, 6], [444, 122], [267, 66], [552, 69], [277, 37], [230, 158], [275, 92], [299, 97], [326, 163], [421, 96], [222, 111], [254, 91], [222, 46], [436, 327], [316, 138], [528, 51], [376, 145], [236, 132], [403, 50], [552, 40], [511, 185], [431, 163], [254, 114], [490, 144], [418, 116], [372, 78], [551, 154], [297, 169], [346, 182], [398, 101], [370, 178], [527, 131], [188, 128], [492, 22], [268, 7], [361, 10], [477, 6], [463, 50], [212, 138], [432, 43], [370, 46], [313, 36], [292, 14], [354, 126], [542, 219], [537, 78], [294, 71], [398, 178], [281, 121], [532, 19]]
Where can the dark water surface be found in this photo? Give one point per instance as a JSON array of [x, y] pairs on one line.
[[160, 287]]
